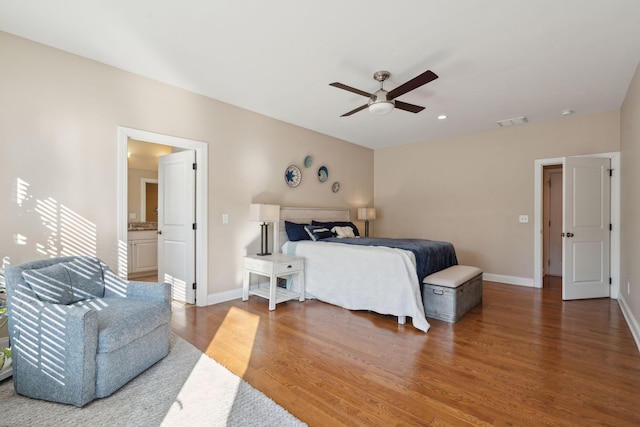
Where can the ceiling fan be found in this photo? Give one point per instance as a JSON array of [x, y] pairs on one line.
[[383, 102]]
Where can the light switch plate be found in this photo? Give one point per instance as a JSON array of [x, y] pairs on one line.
[[225, 218], [132, 215], [523, 219]]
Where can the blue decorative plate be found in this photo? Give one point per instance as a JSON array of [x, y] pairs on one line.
[[323, 174], [293, 176], [308, 161]]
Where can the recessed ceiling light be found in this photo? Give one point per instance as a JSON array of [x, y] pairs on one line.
[[566, 112], [442, 116]]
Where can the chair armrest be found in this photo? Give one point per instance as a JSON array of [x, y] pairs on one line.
[[54, 347], [149, 291]]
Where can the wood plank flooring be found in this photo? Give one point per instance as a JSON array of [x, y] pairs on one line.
[[522, 358]]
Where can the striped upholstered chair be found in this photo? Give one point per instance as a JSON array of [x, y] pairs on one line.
[[78, 332]]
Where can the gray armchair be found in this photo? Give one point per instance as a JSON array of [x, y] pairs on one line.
[[79, 332]]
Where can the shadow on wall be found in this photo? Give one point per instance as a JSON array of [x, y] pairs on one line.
[[60, 230]]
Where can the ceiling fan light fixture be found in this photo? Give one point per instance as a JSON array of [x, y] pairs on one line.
[[379, 103], [383, 102], [381, 107]]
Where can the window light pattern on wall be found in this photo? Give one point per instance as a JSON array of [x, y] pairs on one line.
[[62, 231]]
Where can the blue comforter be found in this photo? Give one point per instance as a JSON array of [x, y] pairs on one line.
[[431, 255]]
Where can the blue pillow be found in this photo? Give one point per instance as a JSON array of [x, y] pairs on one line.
[[295, 231], [318, 232], [332, 224]]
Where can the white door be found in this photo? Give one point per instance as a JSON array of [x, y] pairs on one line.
[[176, 219], [586, 241]]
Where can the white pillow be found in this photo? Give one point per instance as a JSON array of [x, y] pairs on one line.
[[343, 231]]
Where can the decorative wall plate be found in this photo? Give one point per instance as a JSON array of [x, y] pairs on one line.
[[293, 176], [323, 174], [308, 161], [335, 187]]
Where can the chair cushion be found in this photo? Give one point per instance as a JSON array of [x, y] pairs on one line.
[[67, 282], [123, 320]]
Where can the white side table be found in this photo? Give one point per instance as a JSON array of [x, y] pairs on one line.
[[273, 266]]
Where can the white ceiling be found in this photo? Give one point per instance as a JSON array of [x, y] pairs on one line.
[[496, 59]]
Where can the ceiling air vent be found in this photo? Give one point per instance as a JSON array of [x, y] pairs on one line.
[[511, 122]]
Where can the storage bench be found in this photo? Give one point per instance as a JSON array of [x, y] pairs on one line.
[[450, 293]]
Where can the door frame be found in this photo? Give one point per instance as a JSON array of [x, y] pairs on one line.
[[202, 243], [615, 218]]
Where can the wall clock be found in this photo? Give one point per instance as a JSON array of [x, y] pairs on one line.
[[293, 176], [335, 187]]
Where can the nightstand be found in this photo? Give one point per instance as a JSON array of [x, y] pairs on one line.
[[273, 266]]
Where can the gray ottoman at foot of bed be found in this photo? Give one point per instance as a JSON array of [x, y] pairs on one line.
[[449, 294]]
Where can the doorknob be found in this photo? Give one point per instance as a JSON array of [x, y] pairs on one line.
[[159, 232], [570, 234]]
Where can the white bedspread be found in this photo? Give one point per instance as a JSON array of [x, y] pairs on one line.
[[378, 279]]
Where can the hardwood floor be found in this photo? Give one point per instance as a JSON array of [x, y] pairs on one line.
[[522, 358]]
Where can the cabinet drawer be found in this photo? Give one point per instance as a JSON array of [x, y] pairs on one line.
[[258, 265], [284, 267]]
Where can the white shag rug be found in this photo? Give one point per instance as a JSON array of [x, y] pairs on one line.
[[186, 388]]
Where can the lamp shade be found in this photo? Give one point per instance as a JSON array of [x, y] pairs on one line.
[[366, 213], [264, 213]]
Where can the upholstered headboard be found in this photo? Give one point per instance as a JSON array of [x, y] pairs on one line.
[[305, 216]]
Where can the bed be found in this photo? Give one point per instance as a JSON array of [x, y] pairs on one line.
[[359, 276]]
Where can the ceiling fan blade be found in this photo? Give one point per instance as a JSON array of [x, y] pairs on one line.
[[355, 111], [412, 84], [408, 107], [350, 89]]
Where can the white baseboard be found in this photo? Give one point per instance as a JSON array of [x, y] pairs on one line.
[[510, 280], [631, 320], [219, 297]]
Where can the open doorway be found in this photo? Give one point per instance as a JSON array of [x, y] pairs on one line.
[[538, 238], [201, 159], [149, 200], [142, 209], [552, 221]]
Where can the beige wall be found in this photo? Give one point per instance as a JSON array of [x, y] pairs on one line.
[[59, 115], [470, 190], [630, 241]]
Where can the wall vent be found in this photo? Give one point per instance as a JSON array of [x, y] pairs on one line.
[[511, 122]]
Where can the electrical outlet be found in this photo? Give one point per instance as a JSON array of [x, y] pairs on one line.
[[132, 215], [523, 219], [225, 218]]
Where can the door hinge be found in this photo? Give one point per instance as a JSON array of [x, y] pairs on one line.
[[610, 282], [194, 286], [195, 226], [610, 172], [610, 227], [195, 166]]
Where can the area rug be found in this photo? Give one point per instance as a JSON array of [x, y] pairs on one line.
[[187, 388]]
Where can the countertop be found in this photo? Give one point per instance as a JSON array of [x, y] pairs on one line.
[[142, 226]]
